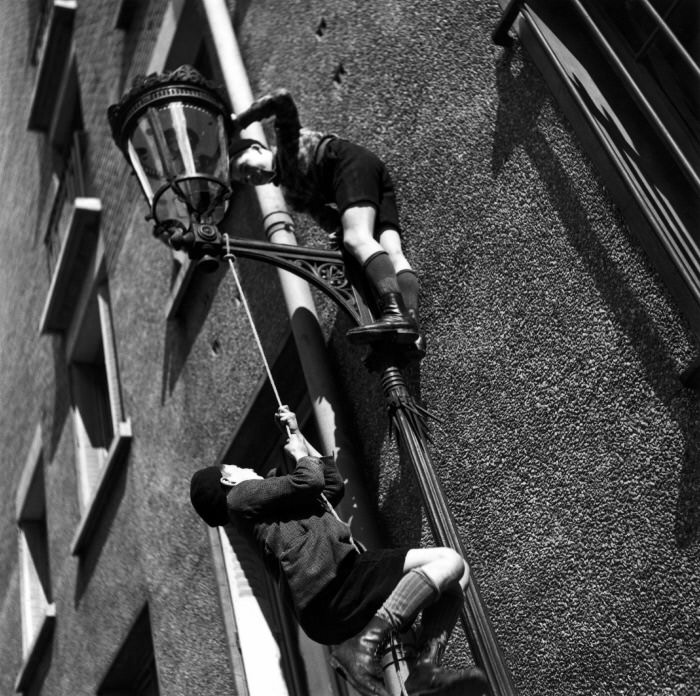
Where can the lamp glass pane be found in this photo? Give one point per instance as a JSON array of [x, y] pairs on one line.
[[143, 154], [144, 146], [180, 144], [170, 207], [196, 144], [137, 166]]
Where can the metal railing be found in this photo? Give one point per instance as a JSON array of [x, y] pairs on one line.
[[500, 36]]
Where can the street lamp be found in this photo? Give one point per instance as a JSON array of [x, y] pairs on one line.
[[173, 129]]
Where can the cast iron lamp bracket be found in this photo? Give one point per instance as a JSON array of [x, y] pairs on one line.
[[325, 269], [173, 129]]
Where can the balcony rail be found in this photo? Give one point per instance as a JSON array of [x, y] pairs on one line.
[[634, 89], [680, 139]]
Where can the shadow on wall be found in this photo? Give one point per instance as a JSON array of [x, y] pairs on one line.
[[400, 515], [239, 10], [182, 331], [93, 550], [58, 411], [520, 100]]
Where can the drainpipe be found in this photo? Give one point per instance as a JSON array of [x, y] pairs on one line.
[[320, 383]]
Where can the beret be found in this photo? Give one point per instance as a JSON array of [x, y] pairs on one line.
[[208, 496]]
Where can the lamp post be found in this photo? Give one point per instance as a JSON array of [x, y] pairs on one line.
[[173, 129]]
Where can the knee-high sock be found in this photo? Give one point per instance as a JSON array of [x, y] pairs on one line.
[[409, 286], [438, 621], [381, 274], [414, 591]]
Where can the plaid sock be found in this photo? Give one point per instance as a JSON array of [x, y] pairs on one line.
[[439, 620], [414, 591], [408, 283]]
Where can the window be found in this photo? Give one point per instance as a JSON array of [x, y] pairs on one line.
[[133, 671], [277, 656], [96, 398], [70, 217], [102, 436], [67, 146], [38, 612], [661, 36], [657, 43], [50, 52]]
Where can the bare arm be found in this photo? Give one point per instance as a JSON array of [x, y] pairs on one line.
[[278, 104]]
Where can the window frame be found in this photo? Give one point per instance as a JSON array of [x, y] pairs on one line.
[[94, 485], [37, 608]]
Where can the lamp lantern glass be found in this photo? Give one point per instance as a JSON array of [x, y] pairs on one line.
[[173, 131]]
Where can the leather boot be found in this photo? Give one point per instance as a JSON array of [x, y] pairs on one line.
[[394, 323], [416, 350], [427, 679], [356, 660]]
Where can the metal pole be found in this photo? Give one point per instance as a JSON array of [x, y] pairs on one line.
[[412, 437]]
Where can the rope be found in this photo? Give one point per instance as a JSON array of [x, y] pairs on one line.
[[324, 501], [230, 258]]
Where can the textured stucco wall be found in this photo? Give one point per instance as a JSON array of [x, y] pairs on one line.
[[567, 449], [185, 384]]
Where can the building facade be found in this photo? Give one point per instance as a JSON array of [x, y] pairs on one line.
[[548, 195]]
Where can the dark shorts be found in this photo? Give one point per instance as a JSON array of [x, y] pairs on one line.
[[352, 175], [345, 606]]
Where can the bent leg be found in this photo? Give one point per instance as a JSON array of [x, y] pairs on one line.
[[441, 564], [393, 320], [390, 240], [358, 232], [448, 569]]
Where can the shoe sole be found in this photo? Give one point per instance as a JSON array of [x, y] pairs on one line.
[[403, 336]]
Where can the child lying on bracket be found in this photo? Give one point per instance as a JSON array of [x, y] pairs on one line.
[[318, 170]]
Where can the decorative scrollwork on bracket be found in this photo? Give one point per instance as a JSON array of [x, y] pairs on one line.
[[334, 275], [323, 269]]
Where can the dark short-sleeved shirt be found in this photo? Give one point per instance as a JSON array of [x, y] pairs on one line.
[[316, 169]]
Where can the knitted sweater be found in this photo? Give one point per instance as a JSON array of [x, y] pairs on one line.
[[300, 541]]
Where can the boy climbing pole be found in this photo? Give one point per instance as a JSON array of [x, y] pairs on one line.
[[353, 601], [317, 172]]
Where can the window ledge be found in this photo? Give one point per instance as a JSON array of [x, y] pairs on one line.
[[78, 245], [54, 57], [116, 456], [30, 667]]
